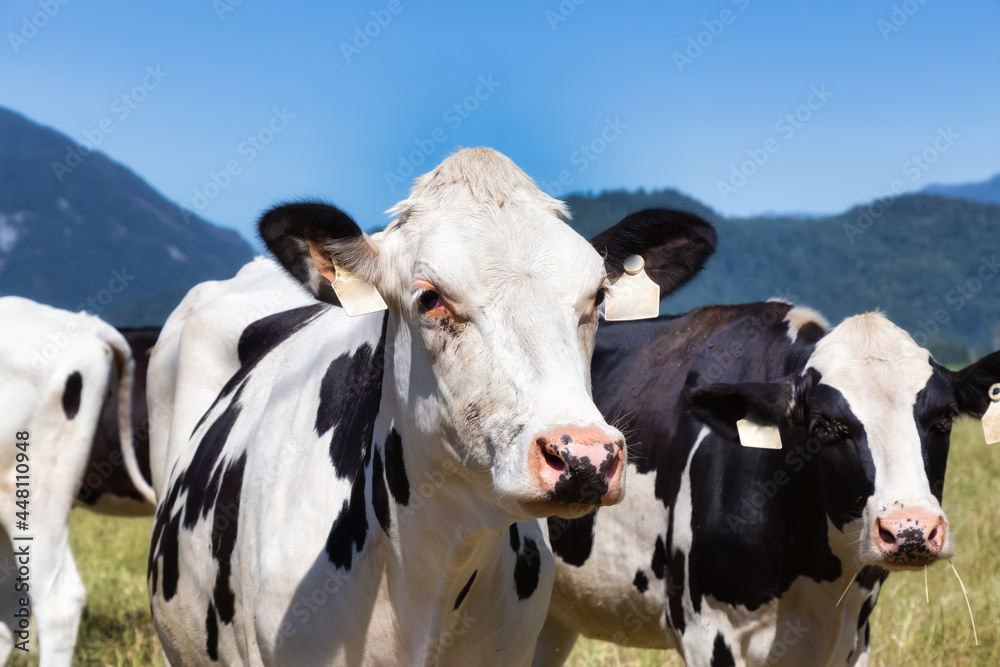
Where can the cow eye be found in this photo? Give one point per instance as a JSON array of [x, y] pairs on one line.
[[943, 426], [827, 430], [599, 297], [428, 300]]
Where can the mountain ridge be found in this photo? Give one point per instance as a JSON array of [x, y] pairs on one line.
[[69, 228]]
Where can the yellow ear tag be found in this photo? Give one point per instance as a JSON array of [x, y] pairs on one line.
[[755, 435], [634, 296], [991, 420], [355, 295]]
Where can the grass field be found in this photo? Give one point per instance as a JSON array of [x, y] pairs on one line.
[[117, 629]]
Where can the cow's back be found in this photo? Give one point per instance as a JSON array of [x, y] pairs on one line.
[[196, 352]]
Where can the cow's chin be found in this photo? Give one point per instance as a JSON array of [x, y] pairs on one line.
[[542, 510]]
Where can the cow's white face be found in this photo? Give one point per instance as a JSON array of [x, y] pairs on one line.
[[883, 419], [494, 304], [496, 312]]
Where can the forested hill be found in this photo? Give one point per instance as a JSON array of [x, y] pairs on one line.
[[918, 258], [90, 233]]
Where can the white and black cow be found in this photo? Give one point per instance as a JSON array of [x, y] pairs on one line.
[[736, 555], [56, 371], [349, 496]]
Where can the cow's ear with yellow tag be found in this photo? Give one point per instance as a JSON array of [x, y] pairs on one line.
[[634, 296], [355, 295], [991, 420], [649, 255], [755, 435]]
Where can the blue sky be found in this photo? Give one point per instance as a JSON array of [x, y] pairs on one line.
[[603, 95]]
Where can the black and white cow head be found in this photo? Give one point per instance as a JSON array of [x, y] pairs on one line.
[[494, 303], [876, 411]]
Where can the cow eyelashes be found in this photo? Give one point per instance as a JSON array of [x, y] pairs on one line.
[[827, 430], [943, 426]]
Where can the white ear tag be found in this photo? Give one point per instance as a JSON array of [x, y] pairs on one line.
[[755, 435], [991, 420], [356, 296], [634, 296]]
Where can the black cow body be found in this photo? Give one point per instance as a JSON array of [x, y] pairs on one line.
[[106, 486], [736, 555]]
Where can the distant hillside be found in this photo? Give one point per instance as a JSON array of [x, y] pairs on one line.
[[101, 233], [909, 262], [987, 192]]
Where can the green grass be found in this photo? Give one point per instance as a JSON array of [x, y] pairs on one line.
[[117, 629]]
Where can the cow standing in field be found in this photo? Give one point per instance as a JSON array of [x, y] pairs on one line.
[[350, 494], [735, 555], [56, 370]]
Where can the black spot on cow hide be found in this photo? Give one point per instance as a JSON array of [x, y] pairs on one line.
[[641, 581], [380, 495], [169, 550], [349, 398], [212, 634], [71, 394], [659, 562], [721, 655], [515, 537], [572, 539], [465, 590], [224, 528], [675, 591], [258, 340], [395, 470], [350, 394], [527, 569], [350, 528]]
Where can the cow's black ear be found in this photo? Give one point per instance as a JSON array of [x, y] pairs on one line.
[[308, 238], [674, 245], [972, 384], [720, 406]]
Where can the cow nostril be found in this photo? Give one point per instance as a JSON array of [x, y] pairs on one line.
[[554, 461], [930, 538], [613, 468], [886, 536]]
